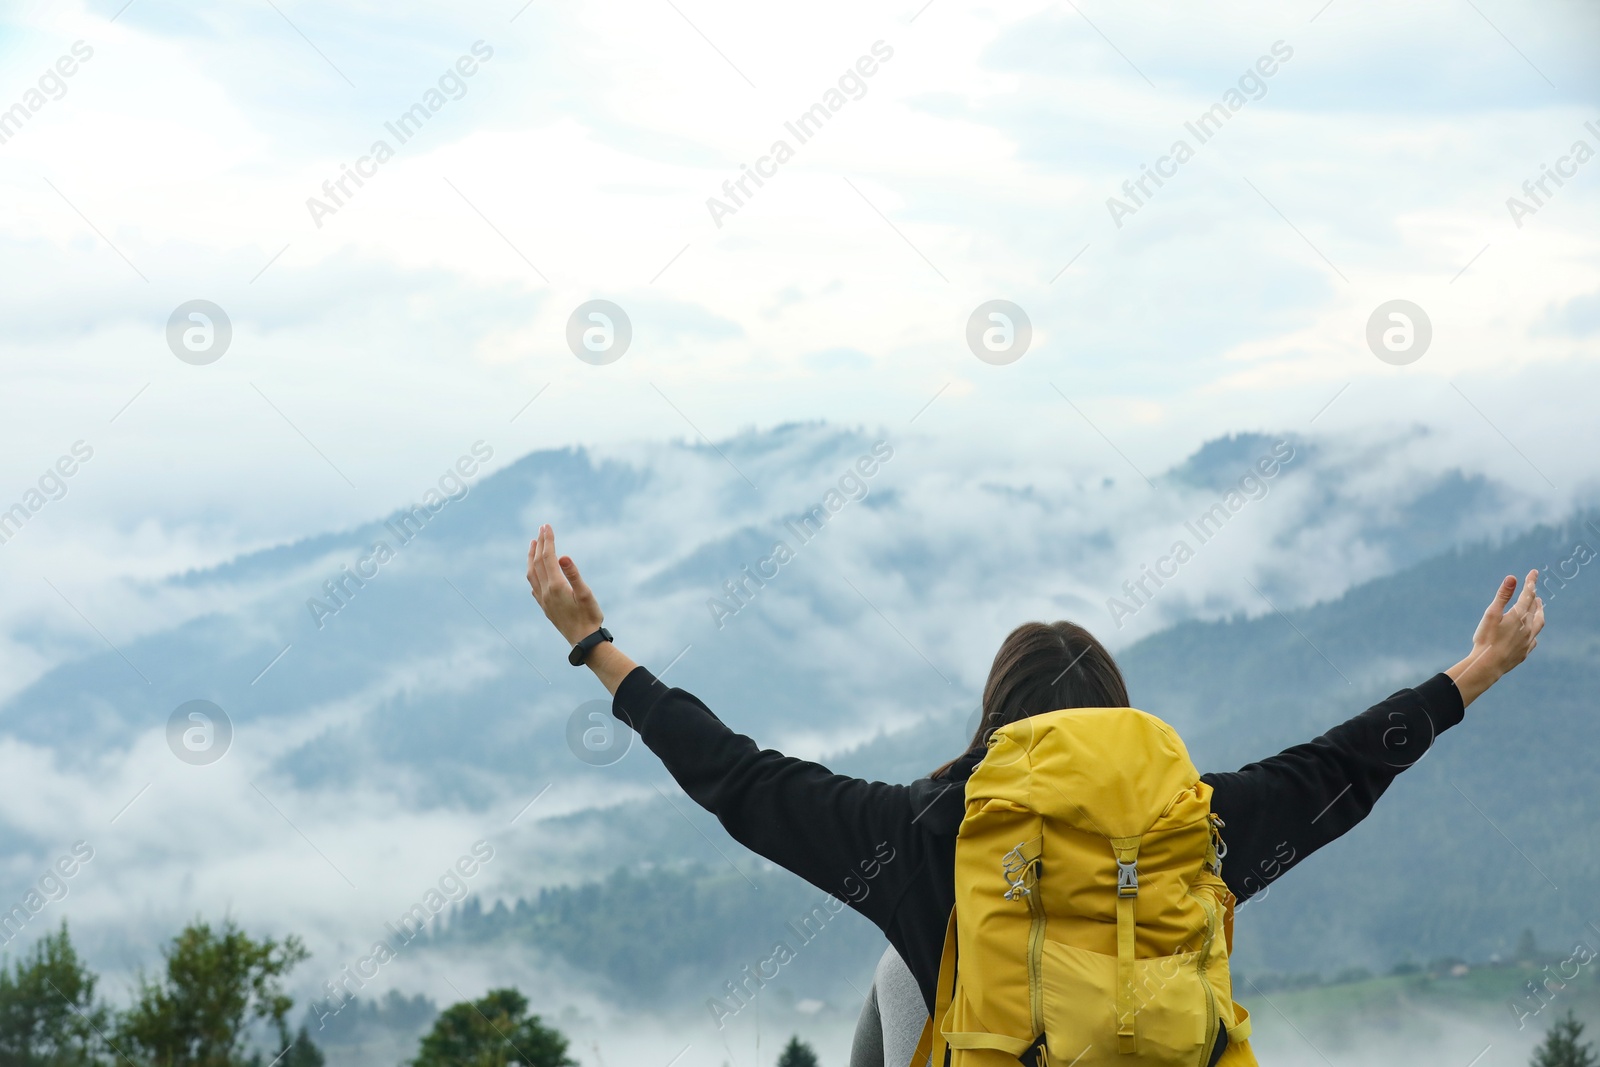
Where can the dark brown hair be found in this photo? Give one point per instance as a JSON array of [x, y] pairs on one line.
[[1045, 667]]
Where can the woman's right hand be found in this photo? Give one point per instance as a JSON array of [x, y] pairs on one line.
[[1503, 638]]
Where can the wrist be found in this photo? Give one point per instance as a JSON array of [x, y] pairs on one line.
[[611, 665], [1484, 665], [1475, 674], [574, 634], [584, 648]]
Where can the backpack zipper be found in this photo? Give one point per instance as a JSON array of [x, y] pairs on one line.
[[1036, 955], [1212, 1023], [1022, 879], [1213, 1017]]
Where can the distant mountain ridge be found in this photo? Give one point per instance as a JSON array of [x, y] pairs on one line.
[[438, 693]]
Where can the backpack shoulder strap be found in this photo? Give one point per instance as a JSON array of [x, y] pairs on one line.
[[923, 1055], [933, 1043]]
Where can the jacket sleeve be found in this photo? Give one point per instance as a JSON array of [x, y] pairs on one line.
[[846, 836], [1280, 810]]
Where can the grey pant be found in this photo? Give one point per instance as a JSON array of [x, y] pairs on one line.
[[892, 1018]]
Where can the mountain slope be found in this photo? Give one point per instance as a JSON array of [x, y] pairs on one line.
[[382, 725]]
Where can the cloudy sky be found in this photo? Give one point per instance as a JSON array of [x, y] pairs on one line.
[[373, 344]]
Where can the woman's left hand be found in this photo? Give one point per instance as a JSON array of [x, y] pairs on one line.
[[566, 598]]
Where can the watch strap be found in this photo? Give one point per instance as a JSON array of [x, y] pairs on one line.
[[580, 651]]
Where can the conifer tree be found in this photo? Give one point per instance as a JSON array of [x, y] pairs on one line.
[[1561, 1047]]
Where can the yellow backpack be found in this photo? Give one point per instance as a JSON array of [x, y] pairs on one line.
[[1091, 923]]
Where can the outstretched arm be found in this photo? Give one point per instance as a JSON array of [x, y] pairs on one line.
[[846, 836], [1280, 810]]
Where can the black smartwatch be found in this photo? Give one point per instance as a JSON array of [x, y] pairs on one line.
[[580, 651]]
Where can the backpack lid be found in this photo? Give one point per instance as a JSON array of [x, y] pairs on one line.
[[1106, 771]]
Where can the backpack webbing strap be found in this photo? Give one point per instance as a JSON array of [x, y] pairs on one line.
[[1127, 849], [933, 1033], [1011, 1046], [924, 1051]]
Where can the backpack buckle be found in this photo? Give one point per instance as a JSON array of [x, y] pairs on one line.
[[1127, 879], [1015, 866], [1219, 847]]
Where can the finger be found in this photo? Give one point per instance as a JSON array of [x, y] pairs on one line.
[[539, 553], [1529, 591], [550, 570], [1503, 596], [570, 569], [1538, 615], [533, 567]]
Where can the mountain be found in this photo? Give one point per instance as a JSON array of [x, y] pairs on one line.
[[394, 695]]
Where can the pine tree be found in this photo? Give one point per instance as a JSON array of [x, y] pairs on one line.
[[797, 1054], [1561, 1048], [303, 1052]]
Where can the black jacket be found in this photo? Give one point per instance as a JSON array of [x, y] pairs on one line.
[[889, 850]]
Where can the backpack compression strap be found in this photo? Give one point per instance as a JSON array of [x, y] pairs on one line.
[[1127, 892]]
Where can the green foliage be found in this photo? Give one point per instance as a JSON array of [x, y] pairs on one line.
[[1561, 1047], [797, 1054], [217, 983], [48, 1014], [493, 1031], [219, 986]]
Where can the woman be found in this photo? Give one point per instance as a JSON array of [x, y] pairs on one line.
[[889, 850]]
